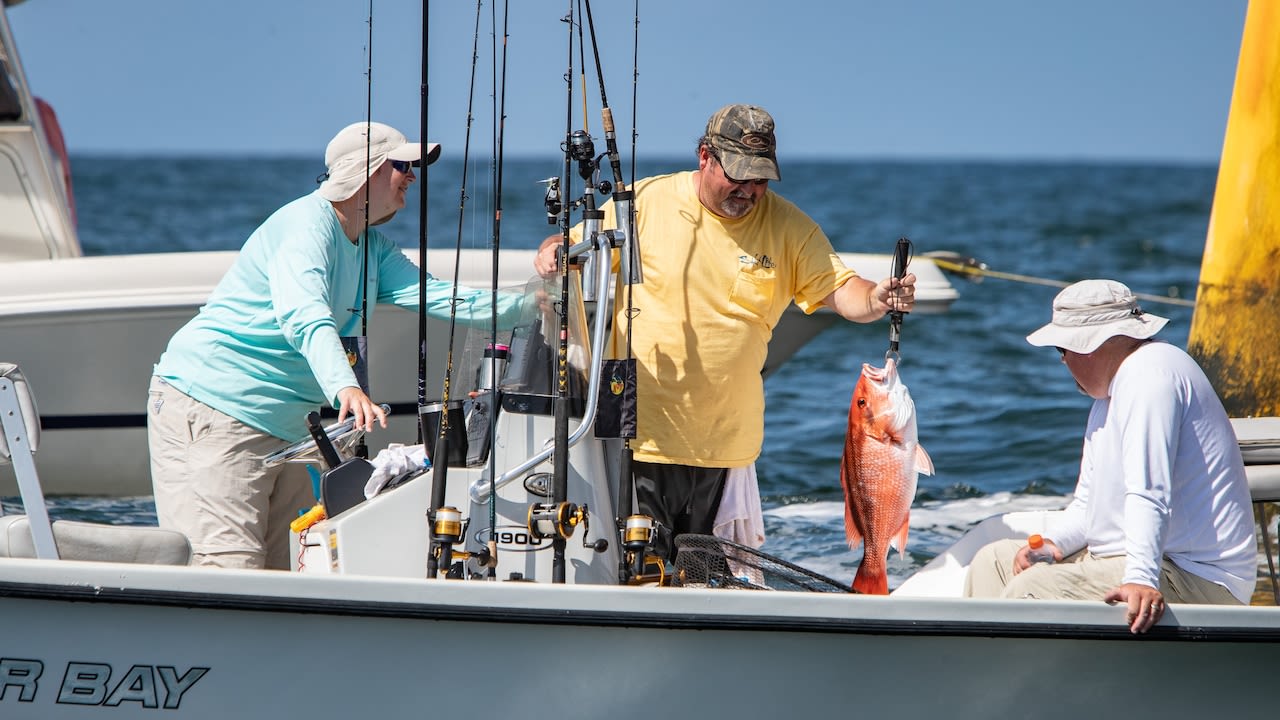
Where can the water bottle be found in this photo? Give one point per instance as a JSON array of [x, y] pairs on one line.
[[493, 365], [1039, 553]]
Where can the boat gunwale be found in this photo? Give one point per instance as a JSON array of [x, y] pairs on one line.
[[904, 619]]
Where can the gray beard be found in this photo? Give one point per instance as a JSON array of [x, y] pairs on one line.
[[736, 207]]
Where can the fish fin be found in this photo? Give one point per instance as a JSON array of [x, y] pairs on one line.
[[870, 582], [851, 534], [924, 463], [899, 539]]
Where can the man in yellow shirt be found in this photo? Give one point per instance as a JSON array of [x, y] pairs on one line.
[[722, 257]]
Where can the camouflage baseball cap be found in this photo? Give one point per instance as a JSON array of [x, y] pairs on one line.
[[743, 138]]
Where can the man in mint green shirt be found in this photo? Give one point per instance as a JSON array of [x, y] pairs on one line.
[[237, 381]]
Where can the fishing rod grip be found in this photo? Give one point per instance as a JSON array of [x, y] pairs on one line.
[[629, 253], [900, 252], [327, 451], [592, 220]]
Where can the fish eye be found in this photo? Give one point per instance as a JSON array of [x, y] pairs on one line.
[[862, 402]]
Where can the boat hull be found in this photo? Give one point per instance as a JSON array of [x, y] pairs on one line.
[[269, 644]]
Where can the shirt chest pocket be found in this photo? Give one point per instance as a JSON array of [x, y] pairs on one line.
[[753, 291]]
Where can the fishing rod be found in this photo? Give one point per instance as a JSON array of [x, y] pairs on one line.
[[423, 433], [361, 344], [637, 531], [560, 464], [975, 270], [901, 257], [444, 530], [622, 197], [491, 561]]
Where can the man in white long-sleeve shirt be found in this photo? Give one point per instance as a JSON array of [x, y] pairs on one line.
[[1162, 507]]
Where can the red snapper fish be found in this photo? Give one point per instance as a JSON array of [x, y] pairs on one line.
[[882, 456]]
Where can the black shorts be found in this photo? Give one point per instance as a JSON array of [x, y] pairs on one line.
[[680, 499]]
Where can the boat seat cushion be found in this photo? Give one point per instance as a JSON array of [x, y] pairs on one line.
[[1259, 439], [95, 541], [1264, 482]]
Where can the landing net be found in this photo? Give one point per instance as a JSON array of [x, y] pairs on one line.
[[708, 561]]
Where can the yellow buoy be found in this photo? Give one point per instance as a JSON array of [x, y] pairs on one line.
[[1235, 330]]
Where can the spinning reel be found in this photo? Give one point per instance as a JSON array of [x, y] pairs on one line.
[[559, 520]]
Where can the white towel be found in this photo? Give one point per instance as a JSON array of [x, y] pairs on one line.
[[740, 518], [393, 461]]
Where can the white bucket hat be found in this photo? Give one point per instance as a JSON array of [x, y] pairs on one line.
[[348, 151], [1090, 312]]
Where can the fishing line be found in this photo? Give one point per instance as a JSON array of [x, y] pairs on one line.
[[975, 270]]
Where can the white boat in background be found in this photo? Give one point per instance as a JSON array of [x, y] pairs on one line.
[[35, 192], [89, 329]]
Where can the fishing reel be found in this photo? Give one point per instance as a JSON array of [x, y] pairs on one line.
[[582, 149], [552, 199], [447, 525], [642, 568], [447, 529], [559, 520]]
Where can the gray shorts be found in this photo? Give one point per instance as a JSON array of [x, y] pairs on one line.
[[210, 483]]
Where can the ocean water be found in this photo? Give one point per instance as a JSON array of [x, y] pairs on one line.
[[1000, 418]]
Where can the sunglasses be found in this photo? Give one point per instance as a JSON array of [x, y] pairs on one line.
[[402, 166], [757, 181]]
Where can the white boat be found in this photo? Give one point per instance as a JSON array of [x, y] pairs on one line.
[[108, 620]]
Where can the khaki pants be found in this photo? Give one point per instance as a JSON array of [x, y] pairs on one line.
[[1078, 577], [210, 483]]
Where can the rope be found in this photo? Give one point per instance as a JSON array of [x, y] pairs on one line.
[[976, 270]]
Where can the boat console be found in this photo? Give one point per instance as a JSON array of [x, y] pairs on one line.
[[500, 518]]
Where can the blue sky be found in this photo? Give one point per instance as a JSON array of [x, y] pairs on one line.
[[1000, 79]]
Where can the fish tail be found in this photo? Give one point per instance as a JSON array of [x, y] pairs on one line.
[[870, 582]]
